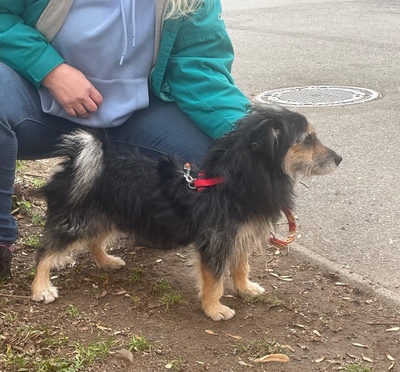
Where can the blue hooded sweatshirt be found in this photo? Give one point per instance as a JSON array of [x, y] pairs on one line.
[[113, 47]]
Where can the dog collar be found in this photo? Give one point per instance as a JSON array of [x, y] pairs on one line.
[[282, 245], [201, 182]]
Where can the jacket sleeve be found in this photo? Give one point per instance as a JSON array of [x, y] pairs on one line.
[[22, 47], [198, 72]]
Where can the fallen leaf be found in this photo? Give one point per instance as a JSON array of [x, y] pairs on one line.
[[394, 329], [391, 366], [360, 345], [319, 360], [316, 333], [124, 354], [287, 347], [242, 363], [303, 347], [104, 329], [389, 357], [235, 337], [366, 359], [210, 332], [281, 358]]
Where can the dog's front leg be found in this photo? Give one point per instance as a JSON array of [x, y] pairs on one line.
[[240, 270], [42, 288], [211, 290]]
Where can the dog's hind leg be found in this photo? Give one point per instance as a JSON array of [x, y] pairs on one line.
[[211, 290], [104, 260], [240, 269]]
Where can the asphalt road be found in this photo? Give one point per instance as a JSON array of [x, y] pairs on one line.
[[348, 220]]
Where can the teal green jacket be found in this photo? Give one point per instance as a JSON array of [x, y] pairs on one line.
[[192, 60]]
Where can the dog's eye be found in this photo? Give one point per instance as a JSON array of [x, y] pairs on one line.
[[308, 139]]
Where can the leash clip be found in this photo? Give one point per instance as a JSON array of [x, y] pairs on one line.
[[189, 179]]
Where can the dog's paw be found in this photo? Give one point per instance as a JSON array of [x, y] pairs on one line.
[[252, 289], [219, 312], [111, 263], [45, 295]]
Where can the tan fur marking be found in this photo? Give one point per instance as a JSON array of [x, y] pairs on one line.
[[102, 259], [210, 293], [42, 288], [309, 159], [240, 273]]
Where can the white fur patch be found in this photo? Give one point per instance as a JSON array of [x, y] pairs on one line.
[[88, 163]]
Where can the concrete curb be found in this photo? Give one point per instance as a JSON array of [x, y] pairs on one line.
[[355, 279]]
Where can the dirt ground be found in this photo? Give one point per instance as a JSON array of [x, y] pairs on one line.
[[147, 317]]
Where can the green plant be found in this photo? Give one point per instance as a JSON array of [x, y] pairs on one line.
[[21, 206], [38, 219], [259, 347], [87, 355], [357, 367], [172, 298], [139, 343], [72, 311], [135, 275], [162, 286], [32, 241], [176, 364]]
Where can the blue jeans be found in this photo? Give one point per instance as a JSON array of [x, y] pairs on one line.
[[27, 133]]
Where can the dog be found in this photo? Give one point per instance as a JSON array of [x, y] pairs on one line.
[[246, 180]]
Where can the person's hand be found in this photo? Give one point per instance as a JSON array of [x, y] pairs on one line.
[[73, 91]]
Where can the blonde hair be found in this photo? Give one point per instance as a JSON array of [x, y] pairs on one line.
[[178, 8]]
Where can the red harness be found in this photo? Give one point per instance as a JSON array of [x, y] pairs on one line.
[[201, 183]]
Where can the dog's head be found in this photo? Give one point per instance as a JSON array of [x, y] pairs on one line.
[[285, 139]]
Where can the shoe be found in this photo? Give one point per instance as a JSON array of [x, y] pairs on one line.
[[5, 261]]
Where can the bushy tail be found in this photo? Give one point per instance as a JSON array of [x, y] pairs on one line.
[[84, 151]]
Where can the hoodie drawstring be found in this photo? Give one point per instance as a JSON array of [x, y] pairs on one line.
[[125, 27]]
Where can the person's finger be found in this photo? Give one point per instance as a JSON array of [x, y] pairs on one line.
[[82, 111], [96, 97], [90, 105]]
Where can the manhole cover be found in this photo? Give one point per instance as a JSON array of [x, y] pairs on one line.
[[317, 96]]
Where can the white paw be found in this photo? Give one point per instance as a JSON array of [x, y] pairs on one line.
[[111, 263], [252, 289], [219, 312], [45, 295]]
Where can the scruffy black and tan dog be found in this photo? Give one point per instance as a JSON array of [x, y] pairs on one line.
[[247, 176]]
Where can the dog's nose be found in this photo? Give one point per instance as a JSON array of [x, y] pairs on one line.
[[338, 159]]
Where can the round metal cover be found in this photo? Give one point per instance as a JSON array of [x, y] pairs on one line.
[[317, 96]]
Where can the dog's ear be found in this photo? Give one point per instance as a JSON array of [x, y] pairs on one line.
[[265, 139]]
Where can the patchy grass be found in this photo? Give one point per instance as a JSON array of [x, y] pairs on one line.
[[259, 347], [139, 343], [135, 275], [357, 368]]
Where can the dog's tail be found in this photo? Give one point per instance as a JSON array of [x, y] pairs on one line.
[[85, 158]]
